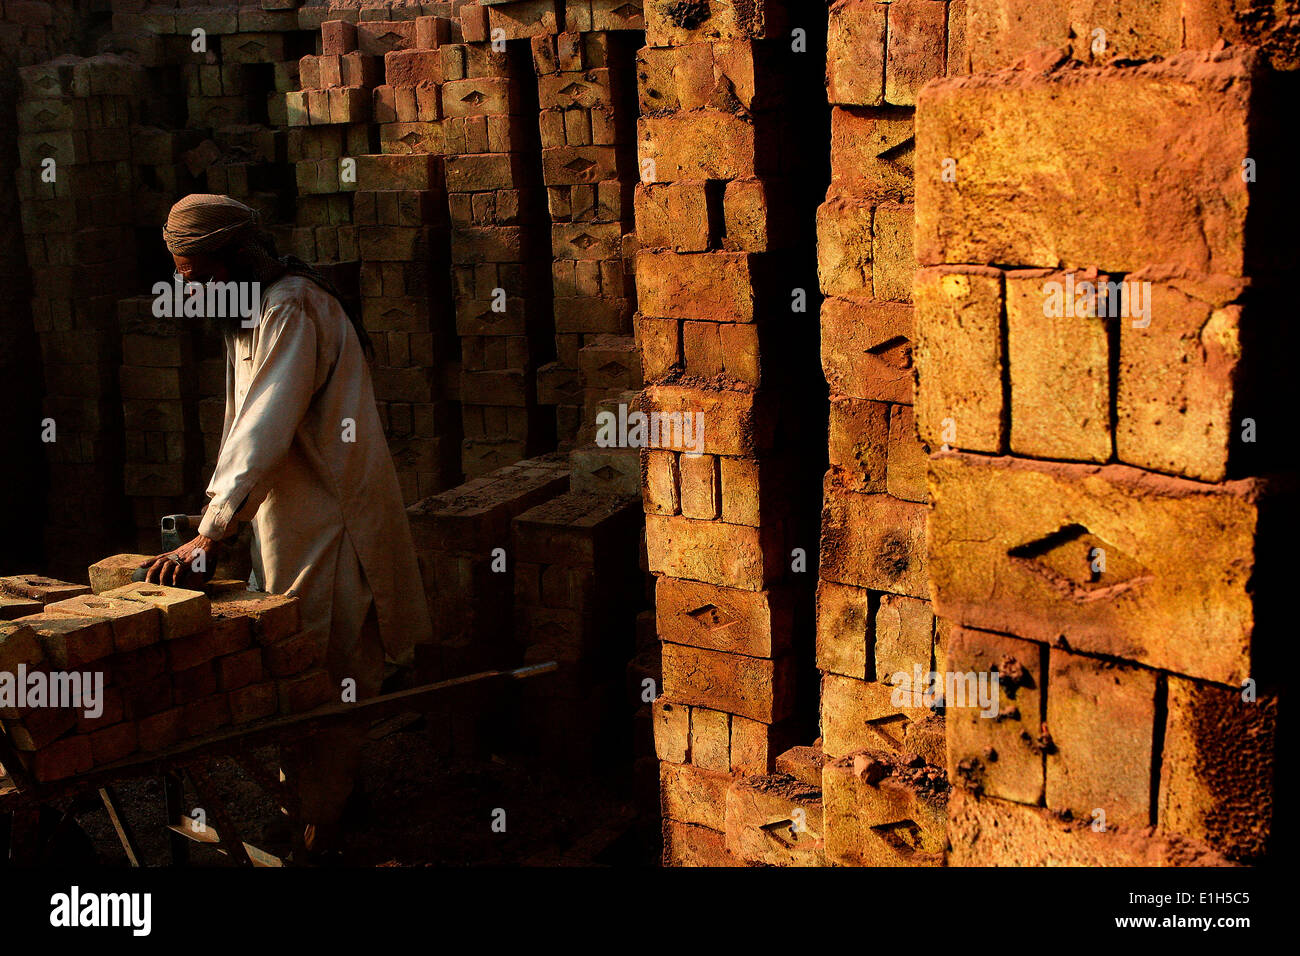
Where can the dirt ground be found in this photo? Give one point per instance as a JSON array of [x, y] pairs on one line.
[[421, 808]]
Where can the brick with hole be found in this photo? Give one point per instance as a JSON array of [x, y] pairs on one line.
[[134, 625], [183, 612]]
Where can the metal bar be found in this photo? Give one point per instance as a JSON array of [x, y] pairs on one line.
[[124, 834]]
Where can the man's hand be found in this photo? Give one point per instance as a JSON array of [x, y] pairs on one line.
[[189, 566]]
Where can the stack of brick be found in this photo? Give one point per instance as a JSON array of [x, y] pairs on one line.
[[174, 664], [587, 98], [74, 180], [160, 412], [875, 624], [1098, 536], [709, 225], [463, 543], [503, 322], [577, 593]]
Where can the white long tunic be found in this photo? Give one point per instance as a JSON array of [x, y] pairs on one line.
[[327, 513]]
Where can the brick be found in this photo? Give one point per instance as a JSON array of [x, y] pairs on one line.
[[38, 727], [1179, 376], [659, 342], [1150, 30], [730, 555], [686, 845], [859, 444], [959, 358], [19, 646], [412, 67], [1060, 381], [183, 612], [857, 714], [306, 691], [999, 755], [700, 486], [12, 607], [867, 350], [62, 759], [114, 572], [672, 730], [985, 832], [844, 630], [872, 153], [752, 687], [71, 642], [753, 623], [1102, 719], [113, 743], [528, 18], [891, 822], [844, 247], [204, 716], [855, 55], [578, 165], [723, 421], [159, 731], [915, 48], [907, 460], [711, 739], [133, 626], [253, 702], [292, 655], [701, 144], [1013, 545], [480, 96], [775, 820], [712, 20], [1147, 218], [273, 616], [691, 795], [378, 37], [37, 587], [894, 262], [1218, 758], [873, 541], [903, 632]]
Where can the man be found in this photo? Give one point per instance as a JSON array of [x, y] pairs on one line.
[[304, 459]]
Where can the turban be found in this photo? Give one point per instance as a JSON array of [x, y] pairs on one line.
[[204, 222]]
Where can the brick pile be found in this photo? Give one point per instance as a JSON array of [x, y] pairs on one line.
[[1099, 530], [577, 594], [74, 181], [874, 617], [469, 584], [502, 314], [176, 665], [709, 211], [585, 90]]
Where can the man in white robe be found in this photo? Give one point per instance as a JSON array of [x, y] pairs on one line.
[[304, 459]]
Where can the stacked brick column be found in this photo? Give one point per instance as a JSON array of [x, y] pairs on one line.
[[712, 314], [502, 317], [874, 618], [1090, 371], [74, 180], [585, 82]]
